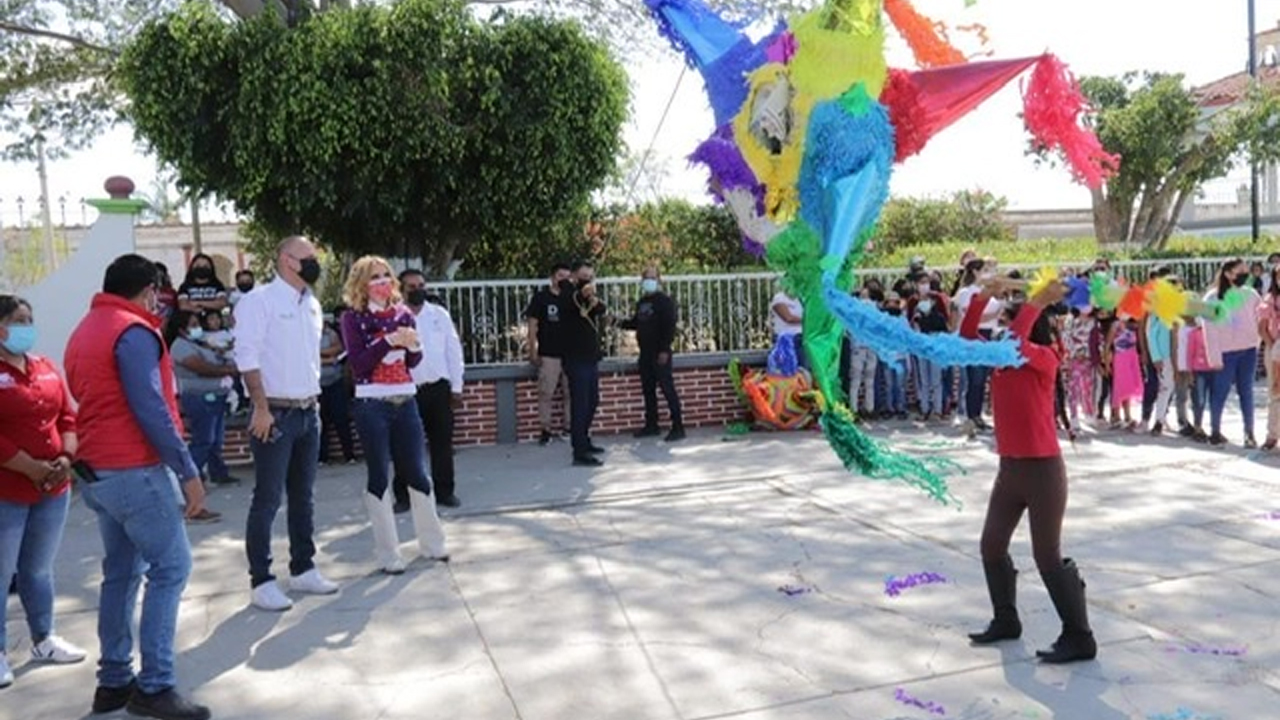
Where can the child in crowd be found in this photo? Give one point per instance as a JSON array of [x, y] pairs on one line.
[[1077, 336], [1123, 365], [1105, 319], [1183, 376], [1269, 328], [930, 315], [1160, 350], [895, 374]]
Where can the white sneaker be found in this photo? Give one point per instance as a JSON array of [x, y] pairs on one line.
[[56, 651], [312, 583], [269, 596], [6, 675]]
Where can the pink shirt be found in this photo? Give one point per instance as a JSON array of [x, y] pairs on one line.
[[1239, 332]]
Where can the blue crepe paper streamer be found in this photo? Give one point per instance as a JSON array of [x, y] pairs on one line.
[[889, 337]]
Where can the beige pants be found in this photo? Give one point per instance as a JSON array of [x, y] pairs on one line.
[[551, 376], [1273, 397]]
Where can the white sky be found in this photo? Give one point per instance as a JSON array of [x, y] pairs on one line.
[[983, 150]]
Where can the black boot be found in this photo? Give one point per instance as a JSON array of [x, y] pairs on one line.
[[1066, 589], [1002, 585]]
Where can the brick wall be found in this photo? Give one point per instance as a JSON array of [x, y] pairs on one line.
[[706, 394]]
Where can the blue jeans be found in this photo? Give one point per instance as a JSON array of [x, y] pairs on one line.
[[29, 539], [1237, 369], [391, 434], [140, 520], [206, 421], [285, 463], [895, 376], [584, 396], [929, 385]]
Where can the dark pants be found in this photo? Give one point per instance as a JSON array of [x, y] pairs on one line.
[[654, 375], [1038, 486], [206, 420], [435, 410], [391, 434], [335, 413], [975, 390], [285, 463], [584, 397]]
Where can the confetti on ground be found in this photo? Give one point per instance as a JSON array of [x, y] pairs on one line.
[[1196, 649], [893, 586], [793, 590], [931, 707], [1183, 714]]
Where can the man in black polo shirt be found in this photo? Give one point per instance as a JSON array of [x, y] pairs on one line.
[[655, 326], [546, 348], [583, 315]]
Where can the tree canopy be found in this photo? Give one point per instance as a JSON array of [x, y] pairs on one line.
[[411, 129], [1168, 147]]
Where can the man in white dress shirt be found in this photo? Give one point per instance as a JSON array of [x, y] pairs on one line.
[[277, 350], [439, 380]]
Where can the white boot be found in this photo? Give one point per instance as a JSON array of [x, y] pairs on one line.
[[386, 542], [427, 524]]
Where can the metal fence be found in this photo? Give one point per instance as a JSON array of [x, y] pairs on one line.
[[718, 313]]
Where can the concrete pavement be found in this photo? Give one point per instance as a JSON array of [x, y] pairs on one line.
[[716, 579]]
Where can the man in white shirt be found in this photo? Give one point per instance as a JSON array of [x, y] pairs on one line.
[[439, 380], [277, 335]]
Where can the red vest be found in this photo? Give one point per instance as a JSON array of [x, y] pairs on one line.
[[110, 437]]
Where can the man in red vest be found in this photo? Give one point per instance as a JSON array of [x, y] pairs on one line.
[[131, 454]]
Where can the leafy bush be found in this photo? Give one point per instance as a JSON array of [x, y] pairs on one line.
[[1063, 251], [968, 216]]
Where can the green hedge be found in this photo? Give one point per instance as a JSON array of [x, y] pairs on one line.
[[1068, 251]]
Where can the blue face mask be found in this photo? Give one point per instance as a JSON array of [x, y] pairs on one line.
[[649, 285], [21, 339], [195, 333]]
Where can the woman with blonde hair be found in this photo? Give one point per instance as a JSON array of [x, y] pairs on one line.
[[382, 344]]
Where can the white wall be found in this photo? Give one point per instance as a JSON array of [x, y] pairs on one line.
[[60, 300]]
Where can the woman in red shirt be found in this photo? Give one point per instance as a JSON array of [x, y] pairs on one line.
[[37, 441], [1031, 478]]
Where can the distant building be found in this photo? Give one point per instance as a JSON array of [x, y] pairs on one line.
[[1229, 198]]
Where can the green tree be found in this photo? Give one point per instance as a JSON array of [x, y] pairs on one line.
[[971, 217], [1168, 148], [410, 129]]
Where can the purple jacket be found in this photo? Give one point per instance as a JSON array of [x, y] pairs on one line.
[[364, 337]]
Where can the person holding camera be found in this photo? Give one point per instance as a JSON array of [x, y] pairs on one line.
[[583, 315]]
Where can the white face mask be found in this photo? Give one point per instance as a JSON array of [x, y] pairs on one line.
[[924, 307]]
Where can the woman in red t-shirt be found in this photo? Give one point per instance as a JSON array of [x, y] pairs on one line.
[[37, 441], [1031, 478]]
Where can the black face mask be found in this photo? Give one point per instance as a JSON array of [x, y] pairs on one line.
[[202, 273], [896, 312], [567, 286], [1241, 280], [244, 287], [416, 297], [309, 270]]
